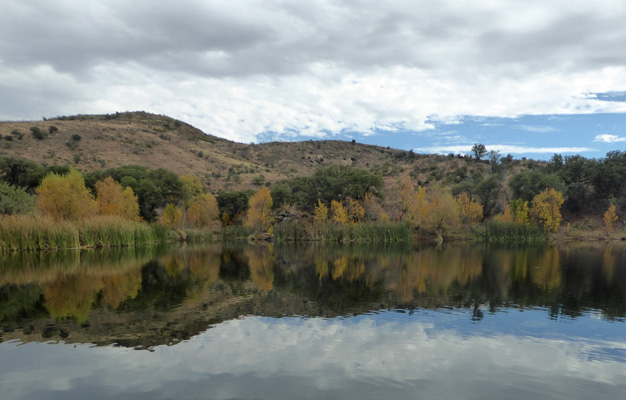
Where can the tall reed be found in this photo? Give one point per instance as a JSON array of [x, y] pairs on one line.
[[20, 232], [497, 231], [361, 233]]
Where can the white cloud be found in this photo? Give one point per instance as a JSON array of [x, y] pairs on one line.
[[538, 128], [605, 138], [240, 68], [503, 149]]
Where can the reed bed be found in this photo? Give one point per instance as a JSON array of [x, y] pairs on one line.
[[360, 233], [495, 231], [236, 232], [27, 233]]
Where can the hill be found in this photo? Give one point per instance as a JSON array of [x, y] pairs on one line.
[[92, 142]]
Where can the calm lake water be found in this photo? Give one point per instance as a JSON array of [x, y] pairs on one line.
[[240, 321]]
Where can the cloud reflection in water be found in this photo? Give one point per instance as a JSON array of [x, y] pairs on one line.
[[374, 356]]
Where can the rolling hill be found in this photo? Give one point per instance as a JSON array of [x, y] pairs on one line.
[[103, 141]]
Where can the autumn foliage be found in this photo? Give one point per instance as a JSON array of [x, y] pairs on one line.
[[320, 212], [259, 216], [113, 200], [203, 210], [546, 209], [471, 212], [610, 218], [172, 216], [65, 197]]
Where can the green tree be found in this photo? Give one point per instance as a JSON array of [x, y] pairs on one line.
[[15, 200], [479, 151], [233, 204], [527, 184]]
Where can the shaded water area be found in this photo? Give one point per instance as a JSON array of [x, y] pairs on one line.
[[245, 321]]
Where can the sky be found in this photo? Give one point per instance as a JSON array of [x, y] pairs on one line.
[[524, 77]]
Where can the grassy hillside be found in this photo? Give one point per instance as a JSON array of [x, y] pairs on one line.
[[103, 141]]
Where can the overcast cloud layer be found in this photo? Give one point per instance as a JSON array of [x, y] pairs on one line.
[[246, 70]]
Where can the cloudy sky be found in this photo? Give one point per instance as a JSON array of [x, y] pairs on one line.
[[525, 77]]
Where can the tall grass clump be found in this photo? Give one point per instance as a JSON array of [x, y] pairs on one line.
[[498, 231], [23, 232], [114, 231], [368, 232], [27, 233], [236, 232]]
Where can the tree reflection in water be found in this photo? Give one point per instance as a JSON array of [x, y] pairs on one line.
[[213, 283]]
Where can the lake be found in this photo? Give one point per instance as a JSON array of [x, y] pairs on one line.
[[315, 321]]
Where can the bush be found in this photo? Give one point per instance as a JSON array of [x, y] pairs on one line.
[[76, 137], [52, 129], [38, 133]]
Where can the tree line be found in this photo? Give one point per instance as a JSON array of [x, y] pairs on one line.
[[498, 188]]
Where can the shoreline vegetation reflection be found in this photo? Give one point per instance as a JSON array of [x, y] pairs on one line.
[[148, 296]]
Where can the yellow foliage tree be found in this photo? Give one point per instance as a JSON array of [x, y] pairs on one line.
[[546, 209], [172, 216], [507, 216], [113, 200], [203, 210], [470, 212], [356, 212], [440, 213], [259, 216], [192, 187], [321, 212], [406, 194], [610, 217], [338, 212], [520, 213], [65, 197]]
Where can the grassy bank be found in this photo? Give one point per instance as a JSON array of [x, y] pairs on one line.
[[19, 232], [495, 231], [362, 233]]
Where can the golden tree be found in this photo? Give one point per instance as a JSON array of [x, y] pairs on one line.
[[471, 212], [440, 212], [610, 217], [172, 216], [520, 212], [356, 212], [338, 212], [259, 216], [506, 216], [321, 212], [113, 200], [546, 209], [192, 187], [406, 194], [65, 196], [203, 210]]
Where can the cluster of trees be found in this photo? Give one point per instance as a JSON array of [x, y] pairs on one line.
[[525, 192], [133, 192]]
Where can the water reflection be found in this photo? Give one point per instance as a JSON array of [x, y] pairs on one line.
[[150, 296]]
